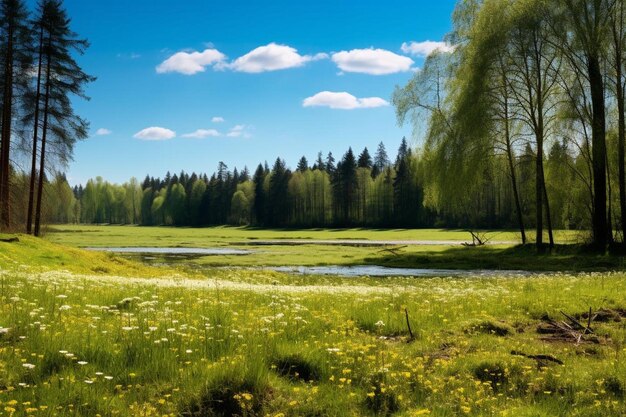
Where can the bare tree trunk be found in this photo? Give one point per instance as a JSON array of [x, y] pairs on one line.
[[5, 147], [610, 205], [33, 171], [547, 204], [513, 176], [621, 123], [539, 195], [600, 228]]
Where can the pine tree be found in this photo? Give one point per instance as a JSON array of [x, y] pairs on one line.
[[347, 185], [16, 59], [259, 196], [330, 164], [63, 78], [319, 164], [303, 165], [278, 194], [365, 160], [381, 160]]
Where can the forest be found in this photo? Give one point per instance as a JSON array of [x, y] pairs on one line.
[[357, 190]]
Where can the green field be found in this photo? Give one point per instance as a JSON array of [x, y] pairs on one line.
[[87, 334], [93, 235], [508, 256]]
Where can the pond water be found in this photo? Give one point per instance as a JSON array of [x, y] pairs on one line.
[[381, 271], [175, 251], [165, 256]]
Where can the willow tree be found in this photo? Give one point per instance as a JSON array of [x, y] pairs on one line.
[[534, 76], [485, 108], [582, 29], [451, 174]]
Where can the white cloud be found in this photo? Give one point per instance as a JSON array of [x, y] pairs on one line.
[[372, 61], [424, 49], [103, 132], [190, 63], [272, 57], [217, 119], [202, 133], [155, 133], [343, 101], [238, 131]]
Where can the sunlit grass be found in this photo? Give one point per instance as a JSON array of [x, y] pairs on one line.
[[90, 334], [89, 345]]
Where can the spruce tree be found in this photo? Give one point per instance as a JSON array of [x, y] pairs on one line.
[[365, 160], [381, 160]]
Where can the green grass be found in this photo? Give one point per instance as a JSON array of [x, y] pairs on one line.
[[95, 340], [86, 346], [36, 254], [566, 257], [93, 235]]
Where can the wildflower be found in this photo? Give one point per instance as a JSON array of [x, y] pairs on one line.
[[28, 365], [379, 324]]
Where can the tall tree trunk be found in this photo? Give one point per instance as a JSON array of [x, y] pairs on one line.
[[599, 221], [42, 160], [621, 123], [509, 154], [609, 216], [621, 145], [5, 147], [547, 205], [539, 194], [33, 170]]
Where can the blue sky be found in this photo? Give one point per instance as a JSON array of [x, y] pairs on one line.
[[272, 70]]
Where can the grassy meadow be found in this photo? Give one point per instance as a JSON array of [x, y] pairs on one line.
[[442, 248], [88, 334]]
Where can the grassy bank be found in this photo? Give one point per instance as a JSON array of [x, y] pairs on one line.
[[24, 252]]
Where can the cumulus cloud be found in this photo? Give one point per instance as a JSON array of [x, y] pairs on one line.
[[155, 133], [272, 57], [103, 132], [343, 101], [217, 119], [424, 49], [189, 63], [202, 133], [372, 61]]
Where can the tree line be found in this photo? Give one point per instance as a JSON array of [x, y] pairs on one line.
[[359, 190], [38, 78], [525, 78]]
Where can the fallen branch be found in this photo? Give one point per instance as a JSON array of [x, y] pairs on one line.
[[538, 358], [408, 324], [393, 251]]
